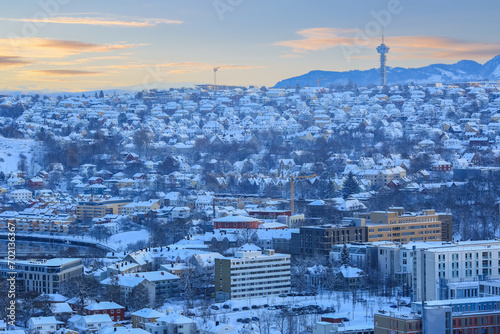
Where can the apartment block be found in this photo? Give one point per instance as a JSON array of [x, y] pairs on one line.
[[398, 226], [461, 316], [86, 211], [43, 276], [319, 240], [394, 225], [252, 273]]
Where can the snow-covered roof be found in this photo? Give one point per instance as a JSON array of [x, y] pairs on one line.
[[148, 313], [103, 306]]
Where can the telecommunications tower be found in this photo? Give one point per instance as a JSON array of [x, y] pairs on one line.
[[383, 50]]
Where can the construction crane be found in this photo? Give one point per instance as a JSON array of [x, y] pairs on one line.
[[319, 80], [292, 189], [215, 77]]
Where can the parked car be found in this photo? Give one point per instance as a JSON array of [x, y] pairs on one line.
[[215, 307]]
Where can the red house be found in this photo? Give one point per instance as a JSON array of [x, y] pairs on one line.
[[236, 222], [36, 183], [441, 166], [115, 311], [95, 180], [132, 157]]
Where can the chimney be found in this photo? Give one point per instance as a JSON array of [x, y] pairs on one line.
[[216, 323], [172, 265], [137, 275], [162, 273]]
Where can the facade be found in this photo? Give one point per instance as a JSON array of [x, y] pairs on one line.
[[172, 324], [145, 316], [470, 315], [319, 240], [397, 226], [43, 325], [442, 270], [402, 324], [454, 271], [115, 311], [91, 323], [20, 195], [86, 211], [127, 285], [166, 284], [43, 276], [36, 222], [236, 222], [393, 225], [252, 273]]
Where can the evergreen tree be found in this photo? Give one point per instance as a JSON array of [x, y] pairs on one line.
[[344, 256], [139, 298], [101, 94], [350, 186]]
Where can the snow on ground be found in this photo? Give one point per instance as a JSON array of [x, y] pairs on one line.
[[359, 315], [10, 149], [121, 240]]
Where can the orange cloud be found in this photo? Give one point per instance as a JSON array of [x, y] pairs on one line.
[[402, 47], [315, 39], [54, 48], [58, 73], [9, 61], [99, 21]]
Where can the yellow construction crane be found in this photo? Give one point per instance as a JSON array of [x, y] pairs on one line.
[[319, 80], [215, 77], [292, 189]]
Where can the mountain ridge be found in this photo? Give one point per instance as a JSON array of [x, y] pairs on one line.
[[463, 70]]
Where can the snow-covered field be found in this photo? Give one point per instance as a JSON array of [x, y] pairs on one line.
[[357, 315], [121, 240], [10, 149]]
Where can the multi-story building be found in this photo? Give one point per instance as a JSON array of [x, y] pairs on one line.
[[47, 221], [398, 226], [166, 284], [314, 240], [252, 273], [461, 316], [393, 225], [442, 270], [141, 207], [43, 276], [454, 270], [86, 211], [381, 177], [236, 222]]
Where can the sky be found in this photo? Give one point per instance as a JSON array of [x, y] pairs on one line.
[[82, 45]]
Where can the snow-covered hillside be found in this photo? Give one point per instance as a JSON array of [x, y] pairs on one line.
[[10, 151]]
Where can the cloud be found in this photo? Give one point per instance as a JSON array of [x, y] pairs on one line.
[[54, 48], [402, 47], [185, 66], [315, 39], [63, 73], [8, 61], [98, 21]]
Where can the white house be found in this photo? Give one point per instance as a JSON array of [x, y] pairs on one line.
[[43, 325], [21, 195], [91, 323], [171, 323]]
